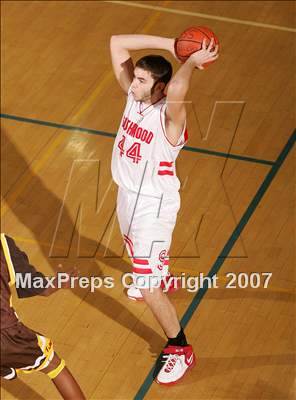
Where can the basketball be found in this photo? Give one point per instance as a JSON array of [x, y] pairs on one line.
[[191, 40]]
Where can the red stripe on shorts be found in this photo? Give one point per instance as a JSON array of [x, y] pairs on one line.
[[165, 172], [142, 271], [140, 261]]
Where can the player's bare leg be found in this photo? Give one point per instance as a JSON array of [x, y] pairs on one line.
[[64, 381], [163, 310]]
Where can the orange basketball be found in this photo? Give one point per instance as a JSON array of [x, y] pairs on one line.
[[191, 40]]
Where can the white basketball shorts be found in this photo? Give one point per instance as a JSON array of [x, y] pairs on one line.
[[147, 224]]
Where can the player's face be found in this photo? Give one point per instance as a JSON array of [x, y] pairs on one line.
[[142, 84]]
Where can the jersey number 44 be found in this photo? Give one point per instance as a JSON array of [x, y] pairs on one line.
[[133, 152]]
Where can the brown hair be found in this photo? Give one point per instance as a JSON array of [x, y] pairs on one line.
[[161, 69]]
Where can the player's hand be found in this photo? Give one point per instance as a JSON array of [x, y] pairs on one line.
[[206, 54], [172, 50], [62, 284]]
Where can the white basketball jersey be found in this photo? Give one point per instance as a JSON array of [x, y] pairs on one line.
[[143, 159]]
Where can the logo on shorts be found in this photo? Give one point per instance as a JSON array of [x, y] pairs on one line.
[[162, 255]]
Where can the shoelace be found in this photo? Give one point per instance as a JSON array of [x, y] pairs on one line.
[[170, 362]]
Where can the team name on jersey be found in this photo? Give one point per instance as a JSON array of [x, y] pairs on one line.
[[132, 129]]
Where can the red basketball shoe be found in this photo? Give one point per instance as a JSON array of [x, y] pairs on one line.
[[176, 360]]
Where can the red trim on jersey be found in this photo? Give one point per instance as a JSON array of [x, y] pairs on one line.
[[142, 271], [152, 104], [130, 244], [130, 249], [185, 133], [140, 261], [166, 163], [165, 172], [129, 239]]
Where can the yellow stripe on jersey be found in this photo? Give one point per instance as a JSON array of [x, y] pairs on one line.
[[8, 259], [46, 346]]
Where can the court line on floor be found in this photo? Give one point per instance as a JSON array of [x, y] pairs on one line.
[[113, 135], [191, 272], [104, 81], [56, 140], [23, 182], [226, 250], [203, 15]]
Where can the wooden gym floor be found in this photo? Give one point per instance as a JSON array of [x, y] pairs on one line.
[[60, 109]]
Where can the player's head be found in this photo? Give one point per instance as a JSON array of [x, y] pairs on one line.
[[151, 75]]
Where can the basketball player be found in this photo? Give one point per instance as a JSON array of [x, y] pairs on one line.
[[23, 350], [151, 134]]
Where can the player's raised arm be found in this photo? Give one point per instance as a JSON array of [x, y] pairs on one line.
[[178, 88], [120, 45], [123, 66]]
